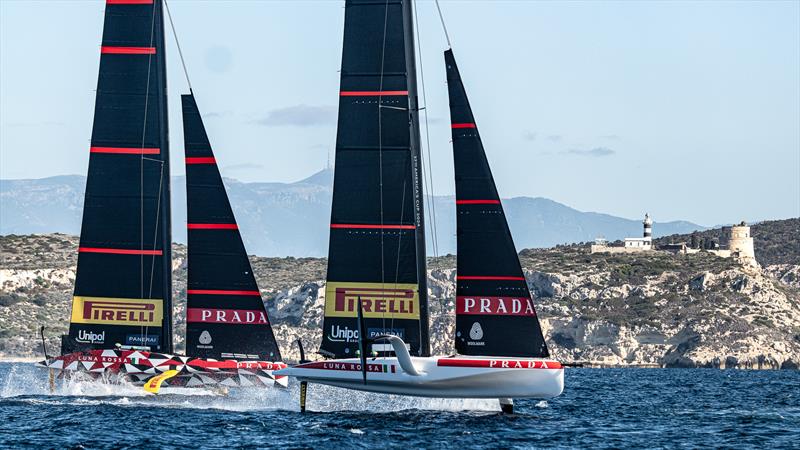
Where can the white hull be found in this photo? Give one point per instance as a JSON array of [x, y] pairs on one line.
[[449, 377]]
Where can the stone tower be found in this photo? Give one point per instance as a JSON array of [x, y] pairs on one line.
[[740, 242]]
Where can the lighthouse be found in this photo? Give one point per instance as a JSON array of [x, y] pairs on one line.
[[648, 226]]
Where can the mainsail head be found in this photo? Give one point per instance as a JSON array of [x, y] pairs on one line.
[[225, 316], [377, 244], [495, 315], [123, 281]]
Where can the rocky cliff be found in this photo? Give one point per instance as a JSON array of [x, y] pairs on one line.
[[653, 309]]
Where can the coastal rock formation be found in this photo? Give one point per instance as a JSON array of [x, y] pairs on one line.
[[654, 309]]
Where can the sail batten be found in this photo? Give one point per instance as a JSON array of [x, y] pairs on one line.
[[225, 314], [495, 315], [376, 224], [123, 281]]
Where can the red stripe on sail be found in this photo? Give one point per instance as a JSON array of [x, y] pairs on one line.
[[477, 202], [201, 160], [490, 278], [220, 292], [129, 2], [125, 150], [119, 251], [498, 363], [463, 125], [378, 227], [371, 93], [212, 226], [128, 50]]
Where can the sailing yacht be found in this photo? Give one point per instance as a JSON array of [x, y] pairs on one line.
[[121, 320], [376, 326]]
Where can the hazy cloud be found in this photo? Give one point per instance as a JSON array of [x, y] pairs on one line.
[[217, 114], [529, 136], [242, 166], [611, 137], [555, 138], [595, 152], [300, 116]]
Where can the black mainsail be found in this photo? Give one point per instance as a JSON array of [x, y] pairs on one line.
[[377, 242], [494, 310], [123, 282], [225, 316]]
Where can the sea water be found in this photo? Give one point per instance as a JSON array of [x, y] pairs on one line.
[[600, 408]]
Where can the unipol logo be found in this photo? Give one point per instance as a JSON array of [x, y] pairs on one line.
[[229, 316], [497, 306], [342, 334], [90, 337]]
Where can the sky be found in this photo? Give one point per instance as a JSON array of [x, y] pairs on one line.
[[686, 110]]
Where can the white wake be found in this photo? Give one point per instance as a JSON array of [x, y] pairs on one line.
[[31, 382]]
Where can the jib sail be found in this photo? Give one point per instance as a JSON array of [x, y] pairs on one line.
[[494, 312], [225, 316], [377, 242], [123, 282]]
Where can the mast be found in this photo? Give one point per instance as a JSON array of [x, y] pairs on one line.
[[376, 252], [495, 315], [416, 164], [123, 282], [225, 315]]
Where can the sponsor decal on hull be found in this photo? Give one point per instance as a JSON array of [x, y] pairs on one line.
[[495, 306], [349, 367], [499, 363], [400, 301], [117, 311], [227, 316]]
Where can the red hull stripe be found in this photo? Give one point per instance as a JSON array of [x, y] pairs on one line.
[[221, 292], [370, 93], [125, 150], [375, 227], [201, 160], [499, 363], [129, 2], [490, 278], [128, 50], [119, 251], [212, 226], [463, 125], [477, 202]]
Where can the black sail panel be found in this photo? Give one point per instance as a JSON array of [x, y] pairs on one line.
[[225, 315], [495, 315], [123, 281], [376, 251]]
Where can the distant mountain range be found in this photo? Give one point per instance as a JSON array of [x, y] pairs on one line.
[[291, 219]]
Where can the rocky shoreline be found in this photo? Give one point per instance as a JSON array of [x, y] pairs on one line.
[[640, 310]]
